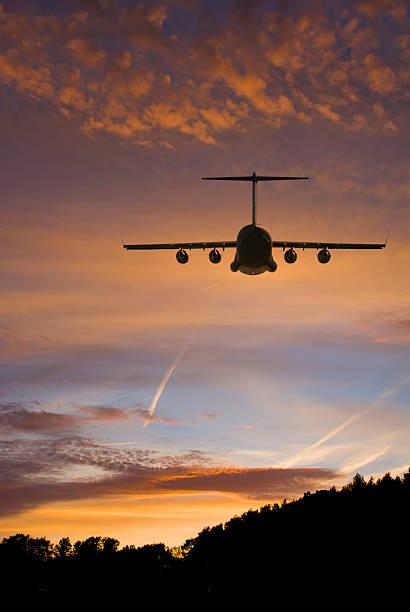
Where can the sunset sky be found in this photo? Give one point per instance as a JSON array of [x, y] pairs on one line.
[[111, 111]]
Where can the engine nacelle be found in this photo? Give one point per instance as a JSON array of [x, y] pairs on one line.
[[290, 256], [323, 256], [215, 256], [182, 256]]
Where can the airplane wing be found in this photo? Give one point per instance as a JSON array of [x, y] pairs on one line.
[[228, 244], [325, 245]]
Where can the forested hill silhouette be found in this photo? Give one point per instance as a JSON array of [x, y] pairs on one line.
[[319, 546]]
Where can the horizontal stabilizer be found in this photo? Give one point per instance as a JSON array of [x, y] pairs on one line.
[[254, 177]]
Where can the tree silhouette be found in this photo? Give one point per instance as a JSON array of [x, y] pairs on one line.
[[94, 547], [64, 549], [316, 544], [22, 547]]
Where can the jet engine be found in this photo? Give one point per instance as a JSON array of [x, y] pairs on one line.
[[290, 256], [182, 256], [323, 256], [215, 256]]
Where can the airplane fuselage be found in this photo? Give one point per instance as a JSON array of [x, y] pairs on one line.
[[253, 251]]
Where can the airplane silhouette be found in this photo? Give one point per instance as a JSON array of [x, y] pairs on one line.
[[253, 244]]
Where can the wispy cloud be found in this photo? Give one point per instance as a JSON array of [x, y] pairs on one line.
[[361, 459], [392, 390], [34, 473], [306, 453], [398, 471], [32, 418], [16, 417]]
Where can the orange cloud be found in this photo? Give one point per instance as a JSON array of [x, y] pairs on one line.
[[381, 78], [373, 8], [132, 472], [36, 83], [85, 52], [150, 85], [326, 111]]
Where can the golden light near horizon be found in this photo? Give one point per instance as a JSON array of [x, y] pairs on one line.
[[146, 399]]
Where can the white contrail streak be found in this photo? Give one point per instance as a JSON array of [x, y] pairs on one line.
[[354, 463], [384, 395], [165, 379], [392, 390], [325, 438]]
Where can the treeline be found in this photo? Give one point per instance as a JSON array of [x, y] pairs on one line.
[[359, 534]]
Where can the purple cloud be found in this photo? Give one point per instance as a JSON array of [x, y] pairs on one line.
[[15, 416], [36, 473], [22, 417]]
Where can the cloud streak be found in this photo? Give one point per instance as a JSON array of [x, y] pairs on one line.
[[35, 473], [383, 396], [360, 460], [333, 432], [32, 419], [392, 390]]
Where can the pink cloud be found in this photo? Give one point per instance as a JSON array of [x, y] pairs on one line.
[[104, 413], [14, 416], [14, 340], [136, 472], [29, 418]]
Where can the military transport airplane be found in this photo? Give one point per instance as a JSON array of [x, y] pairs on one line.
[[253, 244]]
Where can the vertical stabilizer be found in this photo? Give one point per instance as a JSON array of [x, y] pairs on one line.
[[255, 179]]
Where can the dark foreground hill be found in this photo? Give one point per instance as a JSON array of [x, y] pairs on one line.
[[334, 548]]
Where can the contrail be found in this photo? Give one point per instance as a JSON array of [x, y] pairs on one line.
[[392, 389], [325, 438], [165, 379], [354, 463], [382, 396]]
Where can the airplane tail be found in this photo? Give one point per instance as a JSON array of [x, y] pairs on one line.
[[255, 178]]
